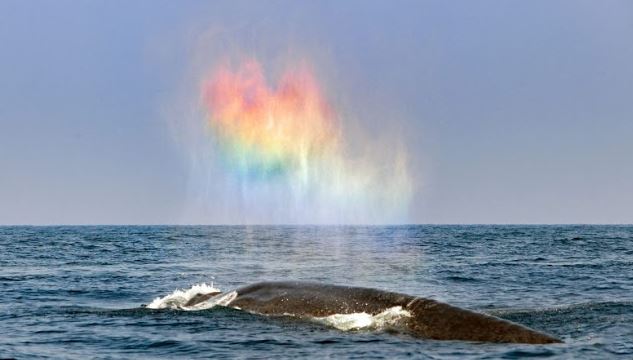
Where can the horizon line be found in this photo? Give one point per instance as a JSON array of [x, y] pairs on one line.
[[322, 225]]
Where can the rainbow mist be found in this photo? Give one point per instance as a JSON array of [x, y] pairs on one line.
[[285, 148]]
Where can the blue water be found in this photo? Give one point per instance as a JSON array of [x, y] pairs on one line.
[[76, 292]]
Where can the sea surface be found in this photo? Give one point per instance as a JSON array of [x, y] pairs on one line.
[[77, 292]]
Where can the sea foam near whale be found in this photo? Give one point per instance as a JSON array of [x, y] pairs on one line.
[[177, 299], [389, 318]]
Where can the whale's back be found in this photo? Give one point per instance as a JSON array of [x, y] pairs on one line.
[[314, 299], [429, 318], [436, 320]]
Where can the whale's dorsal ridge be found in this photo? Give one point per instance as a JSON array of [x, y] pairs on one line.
[[428, 318]]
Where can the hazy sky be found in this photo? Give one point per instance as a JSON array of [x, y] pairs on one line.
[[510, 111]]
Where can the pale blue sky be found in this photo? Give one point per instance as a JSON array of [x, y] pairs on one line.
[[511, 111]]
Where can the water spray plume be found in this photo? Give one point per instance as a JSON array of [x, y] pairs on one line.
[[288, 135], [267, 132]]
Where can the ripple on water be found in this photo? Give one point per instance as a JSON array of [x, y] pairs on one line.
[[77, 291]]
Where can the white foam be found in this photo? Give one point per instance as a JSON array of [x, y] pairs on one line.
[[391, 317], [178, 298]]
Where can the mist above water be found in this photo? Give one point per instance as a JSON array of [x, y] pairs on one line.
[[267, 143]]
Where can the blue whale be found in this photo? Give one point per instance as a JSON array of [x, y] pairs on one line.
[[428, 318]]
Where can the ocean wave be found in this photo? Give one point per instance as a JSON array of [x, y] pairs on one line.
[[583, 308]]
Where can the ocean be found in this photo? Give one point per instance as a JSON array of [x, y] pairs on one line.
[[78, 292]]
